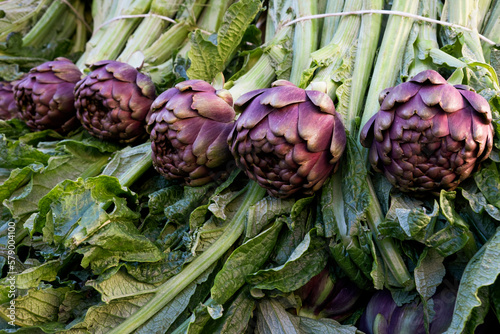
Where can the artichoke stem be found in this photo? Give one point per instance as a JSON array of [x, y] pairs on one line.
[[387, 66], [167, 291], [47, 23], [305, 39]]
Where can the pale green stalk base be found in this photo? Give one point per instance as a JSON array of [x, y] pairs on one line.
[[367, 42], [330, 24], [388, 62], [46, 24], [262, 74], [167, 291], [304, 40]]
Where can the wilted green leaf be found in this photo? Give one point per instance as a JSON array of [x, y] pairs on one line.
[[264, 211], [481, 271], [235, 319], [209, 57], [429, 273], [488, 181], [306, 261], [245, 259], [37, 307]]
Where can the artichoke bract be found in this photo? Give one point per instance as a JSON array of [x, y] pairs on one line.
[[428, 134], [113, 101], [188, 127], [287, 139], [8, 106], [45, 96]]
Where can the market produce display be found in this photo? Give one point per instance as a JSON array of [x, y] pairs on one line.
[[250, 166]]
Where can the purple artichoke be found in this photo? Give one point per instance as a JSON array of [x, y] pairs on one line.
[[287, 139], [383, 316], [45, 97], [324, 298], [113, 101], [188, 127], [8, 106], [428, 135]]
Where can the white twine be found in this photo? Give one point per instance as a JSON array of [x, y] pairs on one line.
[[389, 12], [135, 17]]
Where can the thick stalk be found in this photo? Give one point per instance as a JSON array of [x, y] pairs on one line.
[[150, 29], [330, 24], [484, 9], [305, 38], [169, 290], [211, 17], [334, 53], [492, 29], [465, 13], [102, 11], [116, 32], [262, 74], [46, 24], [389, 59], [367, 42], [426, 40], [80, 37], [19, 23], [162, 49]]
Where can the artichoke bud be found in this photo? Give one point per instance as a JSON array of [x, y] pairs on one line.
[[428, 134], [324, 297], [188, 128], [8, 106], [45, 97], [287, 139], [113, 101], [383, 316]]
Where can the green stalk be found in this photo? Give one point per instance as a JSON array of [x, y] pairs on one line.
[[150, 29], [305, 38], [330, 24], [492, 29], [139, 169], [102, 11], [211, 17], [177, 35], [335, 52], [464, 13], [426, 40], [262, 74], [46, 25], [367, 42], [116, 32], [483, 7], [389, 59], [80, 37], [170, 289], [19, 23]]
